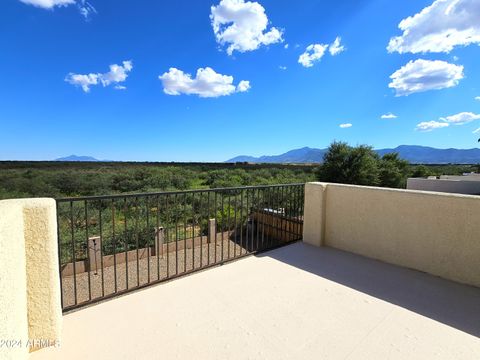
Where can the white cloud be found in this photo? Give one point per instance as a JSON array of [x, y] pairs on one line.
[[48, 4], [85, 81], [117, 74], [439, 28], [207, 83], [315, 52], [286, 46], [335, 48], [423, 75], [282, 67], [476, 131], [120, 87], [461, 118], [242, 26], [312, 54], [431, 125], [345, 126], [477, 98], [389, 116], [84, 7], [243, 86], [457, 119]]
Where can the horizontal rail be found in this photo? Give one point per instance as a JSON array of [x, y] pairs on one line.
[[103, 197]]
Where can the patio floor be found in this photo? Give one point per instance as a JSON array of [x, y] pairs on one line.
[[295, 302]]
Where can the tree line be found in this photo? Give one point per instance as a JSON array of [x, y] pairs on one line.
[[342, 163]]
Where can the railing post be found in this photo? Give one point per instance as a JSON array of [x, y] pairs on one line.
[[159, 240], [212, 229], [94, 253]]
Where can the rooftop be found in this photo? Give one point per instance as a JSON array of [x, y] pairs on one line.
[[295, 302], [337, 272]]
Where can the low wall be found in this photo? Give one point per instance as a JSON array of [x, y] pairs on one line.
[[30, 306], [464, 186], [431, 232], [278, 227], [170, 247]]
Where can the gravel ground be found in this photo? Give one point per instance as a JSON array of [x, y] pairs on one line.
[[193, 260]]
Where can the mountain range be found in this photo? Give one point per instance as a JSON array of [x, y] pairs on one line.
[[413, 153], [78, 158]]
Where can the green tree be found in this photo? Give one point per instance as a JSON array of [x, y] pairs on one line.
[[350, 165], [393, 171], [421, 171]]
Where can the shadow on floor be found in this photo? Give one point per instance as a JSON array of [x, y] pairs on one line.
[[442, 300]]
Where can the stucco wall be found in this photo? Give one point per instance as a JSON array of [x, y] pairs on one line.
[[13, 286], [30, 307], [432, 232], [458, 186]]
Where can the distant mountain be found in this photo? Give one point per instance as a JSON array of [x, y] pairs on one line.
[[303, 155], [77, 158], [413, 153]]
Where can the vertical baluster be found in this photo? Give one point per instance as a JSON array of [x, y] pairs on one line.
[[87, 253], [157, 237], [176, 234], [147, 234], [74, 258], [185, 232], [125, 239], [193, 231], [137, 239], [216, 226], [100, 224], [114, 245], [235, 201]]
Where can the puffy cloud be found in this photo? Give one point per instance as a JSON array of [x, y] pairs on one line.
[[243, 86], [389, 116], [242, 26], [461, 118], [312, 54], [439, 27], [117, 74], [477, 98], [84, 7], [207, 83], [431, 125], [423, 75], [85, 81], [457, 119], [282, 67], [315, 52], [335, 48], [345, 126]]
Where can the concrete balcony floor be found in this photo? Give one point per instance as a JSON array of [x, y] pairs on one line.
[[295, 302]]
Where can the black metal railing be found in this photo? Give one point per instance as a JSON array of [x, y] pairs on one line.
[[109, 245]]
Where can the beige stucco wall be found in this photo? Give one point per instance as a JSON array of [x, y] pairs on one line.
[[30, 307], [432, 232], [459, 185]]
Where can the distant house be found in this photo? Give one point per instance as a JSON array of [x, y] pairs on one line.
[[468, 183]]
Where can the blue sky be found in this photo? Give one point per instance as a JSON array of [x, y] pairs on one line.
[[274, 102]]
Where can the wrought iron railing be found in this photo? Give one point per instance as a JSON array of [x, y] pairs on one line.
[[109, 245]]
